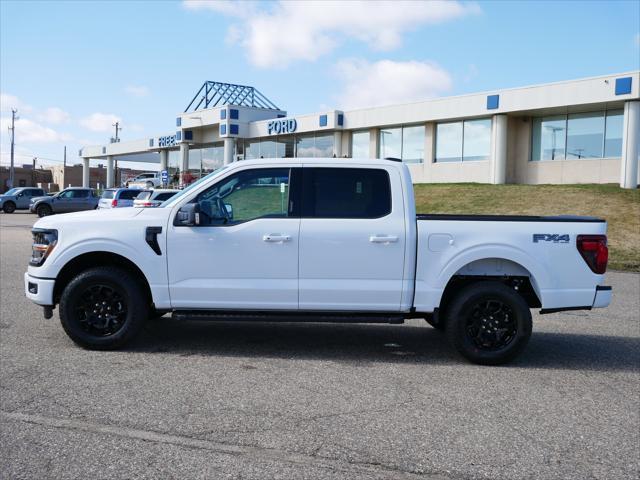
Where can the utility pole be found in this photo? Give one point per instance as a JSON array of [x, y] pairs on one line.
[[33, 172], [13, 141], [118, 128], [64, 168]]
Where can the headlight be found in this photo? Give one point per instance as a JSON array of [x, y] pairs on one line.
[[44, 241]]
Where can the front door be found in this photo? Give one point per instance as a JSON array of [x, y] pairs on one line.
[[352, 239], [244, 252], [64, 202]]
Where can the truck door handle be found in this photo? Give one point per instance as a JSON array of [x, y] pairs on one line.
[[383, 238], [276, 238]]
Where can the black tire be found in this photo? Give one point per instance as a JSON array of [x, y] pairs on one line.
[[43, 210], [9, 207], [488, 323], [113, 290]]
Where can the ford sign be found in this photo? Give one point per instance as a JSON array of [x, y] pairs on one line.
[[282, 126]]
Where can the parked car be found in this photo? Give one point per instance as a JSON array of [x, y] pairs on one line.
[[72, 199], [19, 198], [119, 197], [146, 180], [153, 198], [334, 240]]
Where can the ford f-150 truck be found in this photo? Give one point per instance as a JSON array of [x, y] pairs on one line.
[[314, 240]]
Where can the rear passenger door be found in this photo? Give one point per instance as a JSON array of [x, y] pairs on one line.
[[352, 239]]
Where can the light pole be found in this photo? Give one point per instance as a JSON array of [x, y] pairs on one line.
[[12, 128]]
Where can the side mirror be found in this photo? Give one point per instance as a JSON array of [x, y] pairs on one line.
[[20, 195], [188, 215]]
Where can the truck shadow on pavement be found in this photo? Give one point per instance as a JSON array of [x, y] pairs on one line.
[[375, 343]]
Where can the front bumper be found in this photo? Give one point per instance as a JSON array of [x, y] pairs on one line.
[[39, 290], [603, 296]]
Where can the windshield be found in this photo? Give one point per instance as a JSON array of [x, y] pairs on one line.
[[13, 191], [195, 184]]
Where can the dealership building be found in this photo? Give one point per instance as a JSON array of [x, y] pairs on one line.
[[578, 131]]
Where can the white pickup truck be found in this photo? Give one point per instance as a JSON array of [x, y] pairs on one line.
[[314, 240]]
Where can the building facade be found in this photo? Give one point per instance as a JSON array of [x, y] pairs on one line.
[[580, 131]]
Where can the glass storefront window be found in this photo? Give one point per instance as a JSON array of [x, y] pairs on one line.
[[548, 136], [476, 143], [268, 149], [212, 158], [613, 134], [251, 149], [305, 146], [324, 145], [449, 142], [413, 144], [391, 143], [285, 147], [577, 136], [360, 144], [585, 135]]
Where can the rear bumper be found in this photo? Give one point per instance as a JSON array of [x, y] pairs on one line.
[[39, 290], [603, 297]]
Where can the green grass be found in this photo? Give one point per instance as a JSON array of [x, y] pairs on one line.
[[254, 202], [620, 207]]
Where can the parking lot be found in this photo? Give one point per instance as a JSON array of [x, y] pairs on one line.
[[258, 401]]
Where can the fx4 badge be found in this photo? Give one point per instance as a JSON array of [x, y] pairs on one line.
[[550, 237]]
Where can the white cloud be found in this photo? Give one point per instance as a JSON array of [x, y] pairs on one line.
[[28, 131], [7, 102], [291, 31], [100, 122], [387, 82], [54, 116], [137, 90]]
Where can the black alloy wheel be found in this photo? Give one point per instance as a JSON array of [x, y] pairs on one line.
[[103, 308], [488, 322], [9, 207]]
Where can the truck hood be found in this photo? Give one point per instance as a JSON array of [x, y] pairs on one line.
[[87, 218]]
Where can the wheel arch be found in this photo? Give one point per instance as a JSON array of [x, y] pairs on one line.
[[96, 259], [498, 268]]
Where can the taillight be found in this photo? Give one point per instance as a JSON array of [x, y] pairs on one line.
[[114, 203], [594, 250]]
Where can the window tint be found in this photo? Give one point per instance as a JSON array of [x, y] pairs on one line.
[[66, 194], [346, 193], [108, 194], [246, 196], [129, 194], [79, 193], [163, 196]]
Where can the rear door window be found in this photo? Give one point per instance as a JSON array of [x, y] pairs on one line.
[[129, 194], [79, 193], [346, 193], [163, 196]]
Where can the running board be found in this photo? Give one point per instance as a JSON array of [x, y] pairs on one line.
[[287, 316]]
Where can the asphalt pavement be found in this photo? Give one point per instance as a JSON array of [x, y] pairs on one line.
[[314, 401]]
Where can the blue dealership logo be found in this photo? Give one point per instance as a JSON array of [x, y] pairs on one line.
[[282, 126]]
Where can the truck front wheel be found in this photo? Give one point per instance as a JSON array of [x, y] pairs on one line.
[[488, 323], [103, 308]]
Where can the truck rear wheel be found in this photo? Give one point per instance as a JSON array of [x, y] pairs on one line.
[[103, 308], [9, 207], [488, 323]]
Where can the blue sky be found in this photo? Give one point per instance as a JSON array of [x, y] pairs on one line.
[[71, 68]]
